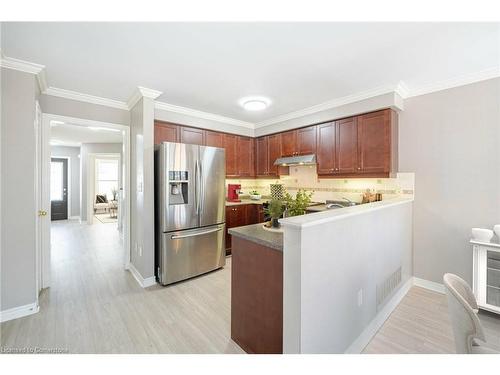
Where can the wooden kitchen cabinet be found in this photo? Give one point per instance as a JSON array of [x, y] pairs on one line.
[[245, 159], [325, 150], [214, 139], [192, 136], [289, 143], [165, 132], [346, 146], [306, 141], [374, 143], [230, 144], [239, 215], [261, 157], [274, 151], [359, 146]]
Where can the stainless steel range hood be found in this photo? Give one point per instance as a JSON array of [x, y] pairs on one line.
[[296, 160]]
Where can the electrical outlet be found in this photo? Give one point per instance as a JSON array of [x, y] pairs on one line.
[[360, 297]]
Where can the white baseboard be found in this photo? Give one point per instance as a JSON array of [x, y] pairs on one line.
[[431, 285], [143, 282], [74, 218], [19, 312], [369, 332]]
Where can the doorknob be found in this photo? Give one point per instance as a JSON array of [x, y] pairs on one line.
[[42, 213]]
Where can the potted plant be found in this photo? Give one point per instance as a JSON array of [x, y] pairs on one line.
[[254, 194], [275, 210], [114, 191], [297, 206]]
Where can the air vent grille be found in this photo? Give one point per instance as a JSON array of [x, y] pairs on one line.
[[386, 288]]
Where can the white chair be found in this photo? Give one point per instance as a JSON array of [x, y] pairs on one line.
[[463, 309]]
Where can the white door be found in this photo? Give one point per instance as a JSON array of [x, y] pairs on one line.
[[42, 188]]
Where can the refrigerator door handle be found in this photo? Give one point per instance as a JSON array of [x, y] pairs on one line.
[[179, 236], [197, 186], [202, 189]]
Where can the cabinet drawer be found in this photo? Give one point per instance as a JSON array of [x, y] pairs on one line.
[[493, 296], [493, 278]]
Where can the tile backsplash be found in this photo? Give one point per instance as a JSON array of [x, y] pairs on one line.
[[305, 177]]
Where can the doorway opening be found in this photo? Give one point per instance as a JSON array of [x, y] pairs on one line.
[[85, 182]]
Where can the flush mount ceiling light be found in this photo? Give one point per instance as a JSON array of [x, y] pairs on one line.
[[255, 103]]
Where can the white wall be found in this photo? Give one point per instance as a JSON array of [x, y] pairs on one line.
[[451, 140], [77, 109], [74, 179], [85, 151], [326, 265], [18, 207], [142, 187]]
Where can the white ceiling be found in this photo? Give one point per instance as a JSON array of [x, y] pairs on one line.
[[75, 135], [209, 66]]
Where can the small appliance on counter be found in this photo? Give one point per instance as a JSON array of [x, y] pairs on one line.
[[233, 191]]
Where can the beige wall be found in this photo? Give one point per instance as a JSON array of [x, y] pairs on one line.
[[18, 284], [451, 140]]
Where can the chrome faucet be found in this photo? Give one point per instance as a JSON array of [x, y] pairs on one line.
[[351, 203]]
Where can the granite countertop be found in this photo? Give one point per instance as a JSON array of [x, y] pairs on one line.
[[257, 234], [247, 201]]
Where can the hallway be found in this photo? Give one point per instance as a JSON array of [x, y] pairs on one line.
[[95, 306]]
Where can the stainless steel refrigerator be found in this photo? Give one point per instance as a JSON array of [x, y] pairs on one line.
[[190, 210]]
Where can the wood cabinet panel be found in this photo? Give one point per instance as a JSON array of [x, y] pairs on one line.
[[374, 144], [306, 140], [289, 143], [325, 150], [231, 152], [274, 151], [257, 297], [261, 157], [192, 136], [245, 161], [346, 148], [214, 139], [165, 132]]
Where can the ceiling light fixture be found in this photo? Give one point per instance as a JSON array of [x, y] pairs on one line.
[[255, 103]]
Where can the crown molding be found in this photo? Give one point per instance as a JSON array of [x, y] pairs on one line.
[[328, 105], [73, 95], [203, 115], [402, 90], [462, 80], [142, 92], [26, 67]]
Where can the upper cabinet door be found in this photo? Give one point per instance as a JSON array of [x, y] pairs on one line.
[[261, 157], [231, 161], [346, 150], [306, 140], [374, 142], [325, 150], [192, 136], [214, 139], [245, 160], [289, 143], [165, 132], [274, 151]]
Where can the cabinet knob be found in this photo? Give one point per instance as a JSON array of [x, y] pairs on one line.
[[359, 168]]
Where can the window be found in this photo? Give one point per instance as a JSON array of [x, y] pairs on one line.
[[56, 181], [107, 177]]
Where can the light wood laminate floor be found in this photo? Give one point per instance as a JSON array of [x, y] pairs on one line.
[[420, 324], [94, 306]]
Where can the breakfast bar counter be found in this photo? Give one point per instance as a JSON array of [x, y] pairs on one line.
[[256, 233]]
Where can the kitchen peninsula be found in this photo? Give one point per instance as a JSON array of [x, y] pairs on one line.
[[286, 288], [257, 289]]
